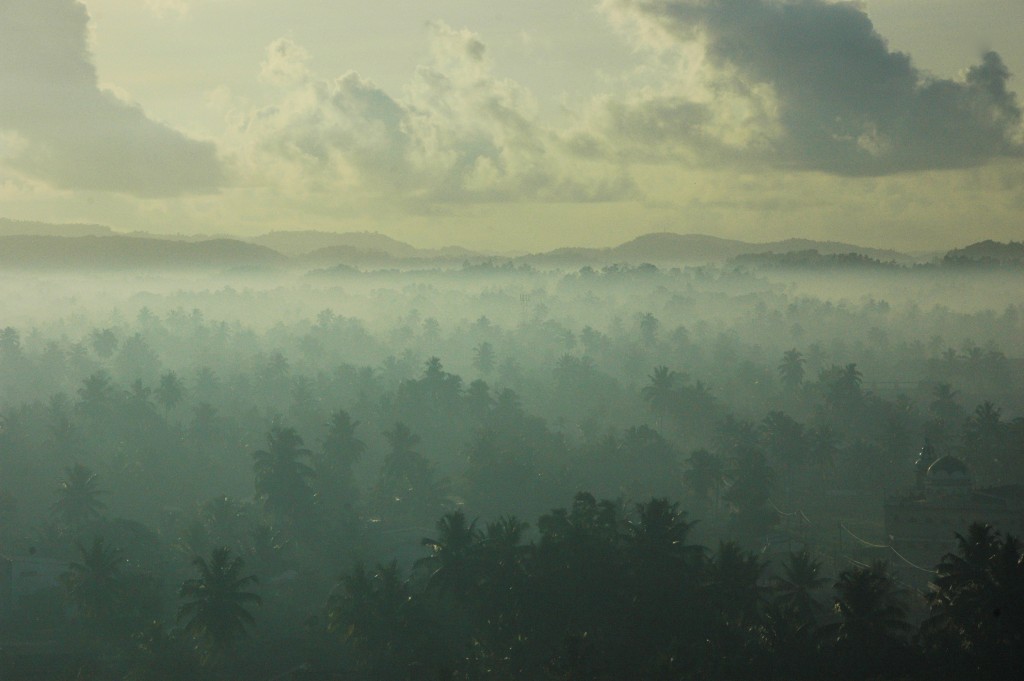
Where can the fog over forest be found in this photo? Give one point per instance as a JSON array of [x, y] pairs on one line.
[[588, 340], [792, 463]]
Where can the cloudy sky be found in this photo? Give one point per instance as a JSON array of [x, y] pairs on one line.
[[524, 126]]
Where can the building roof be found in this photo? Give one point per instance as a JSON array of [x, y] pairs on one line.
[[949, 470]]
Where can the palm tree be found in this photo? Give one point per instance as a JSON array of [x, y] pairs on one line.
[[455, 554], [794, 588], [104, 342], [660, 532], [984, 437], [842, 385], [735, 584], [383, 624], [977, 600], [791, 369], [94, 584], [483, 358], [706, 476], [340, 452], [216, 608], [282, 476], [648, 327], [78, 497], [407, 483], [661, 395], [170, 392], [784, 438], [873, 614]]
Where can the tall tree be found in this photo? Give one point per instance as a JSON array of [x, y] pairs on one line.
[[78, 497], [660, 394], [95, 584], [791, 369], [170, 391], [873, 617], [217, 603], [977, 604], [283, 476], [341, 450], [795, 587]]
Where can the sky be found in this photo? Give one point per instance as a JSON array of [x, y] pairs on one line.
[[519, 127]]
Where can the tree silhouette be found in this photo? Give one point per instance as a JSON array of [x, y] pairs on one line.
[[660, 395], [791, 369], [649, 325], [407, 484], [706, 476], [341, 450], [216, 608], [794, 589], [95, 584], [484, 358], [104, 342], [977, 604], [873, 617], [282, 475], [78, 497], [454, 563], [171, 391]]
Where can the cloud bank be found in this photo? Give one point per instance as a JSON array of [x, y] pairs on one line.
[[809, 85], [457, 134], [70, 133]]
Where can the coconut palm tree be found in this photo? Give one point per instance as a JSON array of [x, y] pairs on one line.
[[977, 601], [217, 603], [341, 450], [706, 476], [872, 611], [78, 497], [407, 484], [454, 562], [483, 358], [794, 588], [791, 369], [283, 476], [95, 584], [659, 533], [660, 395], [170, 392]]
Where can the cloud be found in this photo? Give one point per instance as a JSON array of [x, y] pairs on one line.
[[457, 134], [815, 86], [71, 133]]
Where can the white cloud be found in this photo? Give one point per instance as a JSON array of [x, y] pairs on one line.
[[287, 64], [458, 133]]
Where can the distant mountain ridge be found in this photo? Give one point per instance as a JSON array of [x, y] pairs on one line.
[[671, 248], [123, 252], [36, 244], [1011, 253], [318, 246], [29, 228]]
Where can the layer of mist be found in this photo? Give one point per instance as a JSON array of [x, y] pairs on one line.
[[464, 466]]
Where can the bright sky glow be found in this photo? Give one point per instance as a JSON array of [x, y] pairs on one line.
[[535, 125]]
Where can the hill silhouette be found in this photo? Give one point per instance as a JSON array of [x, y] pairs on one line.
[[37, 244], [29, 228], [130, 252], [987, 252], [669, 248], [305, 242]]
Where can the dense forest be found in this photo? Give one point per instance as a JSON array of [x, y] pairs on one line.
[[497, 471]]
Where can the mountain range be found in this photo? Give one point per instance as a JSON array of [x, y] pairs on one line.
[[42, 245]]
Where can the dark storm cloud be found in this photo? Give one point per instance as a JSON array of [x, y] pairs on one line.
[[70, 132], [846, 104]]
